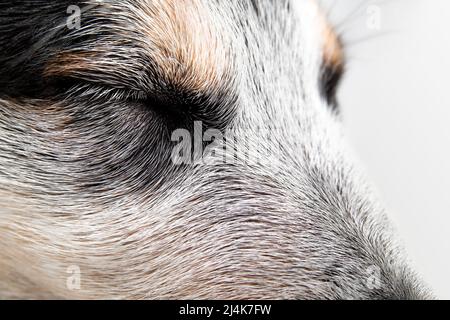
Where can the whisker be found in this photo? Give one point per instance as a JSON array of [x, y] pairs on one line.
[[330, 9], [364, 39], [340, 26]]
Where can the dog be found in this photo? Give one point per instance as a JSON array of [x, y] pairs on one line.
[[166, 149]]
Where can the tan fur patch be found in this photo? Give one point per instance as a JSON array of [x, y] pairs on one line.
[[332, 50], [333, 53], [180, 37], [68, 64], [190, 48]]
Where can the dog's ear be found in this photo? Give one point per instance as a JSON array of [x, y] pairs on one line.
[[30, 31]]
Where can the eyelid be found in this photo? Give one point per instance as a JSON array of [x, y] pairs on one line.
[[329, 80], [77, 87], [110, 93]]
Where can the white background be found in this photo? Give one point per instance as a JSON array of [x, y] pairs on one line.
[[395, 101]]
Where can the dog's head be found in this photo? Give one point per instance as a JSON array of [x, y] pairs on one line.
[[182, 149]]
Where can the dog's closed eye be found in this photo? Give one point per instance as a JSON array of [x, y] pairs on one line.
[[330, 78], [333, 65]]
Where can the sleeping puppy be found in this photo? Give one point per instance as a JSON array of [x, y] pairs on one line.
[[166, 149]]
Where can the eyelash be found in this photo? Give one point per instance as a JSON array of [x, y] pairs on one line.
[[330, 78], [76, 88], [111, 94]]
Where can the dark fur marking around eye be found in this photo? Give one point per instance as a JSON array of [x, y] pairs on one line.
[[329, 80], [333, 66], [177, 108]]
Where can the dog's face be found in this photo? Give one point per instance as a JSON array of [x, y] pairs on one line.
[[94, 118]]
